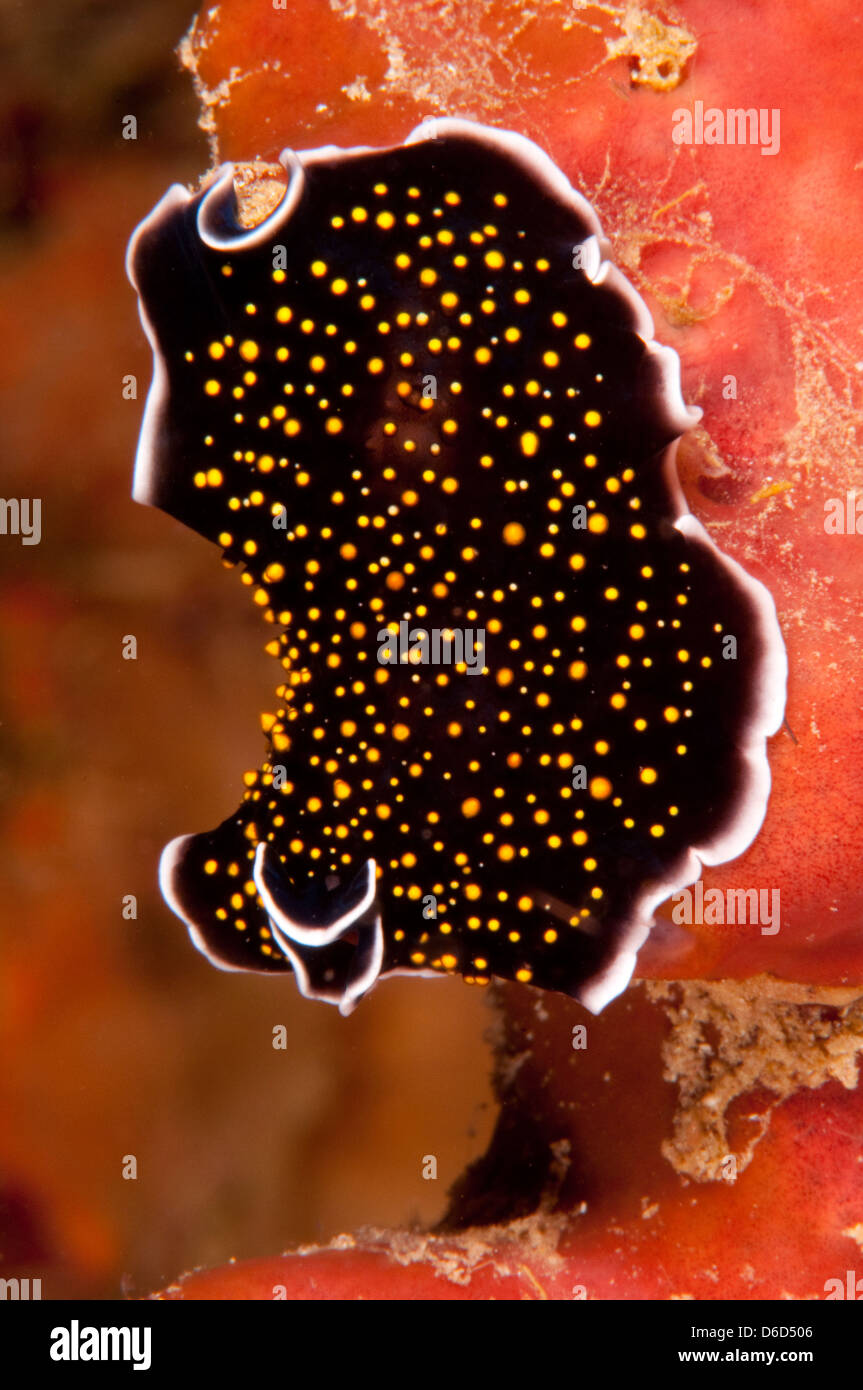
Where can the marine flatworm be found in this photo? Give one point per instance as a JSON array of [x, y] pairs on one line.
[[419, 393]]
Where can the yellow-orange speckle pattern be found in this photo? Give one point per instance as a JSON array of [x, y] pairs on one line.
[[430, 445]]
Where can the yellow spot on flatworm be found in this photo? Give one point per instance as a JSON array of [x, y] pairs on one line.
[[529, 443]]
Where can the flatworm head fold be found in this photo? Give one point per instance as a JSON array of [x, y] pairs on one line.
[[523, 697]]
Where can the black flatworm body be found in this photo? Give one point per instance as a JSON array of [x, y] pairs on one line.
[[523, 696]]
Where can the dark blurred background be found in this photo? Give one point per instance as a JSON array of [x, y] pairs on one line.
[[118, 1039]]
